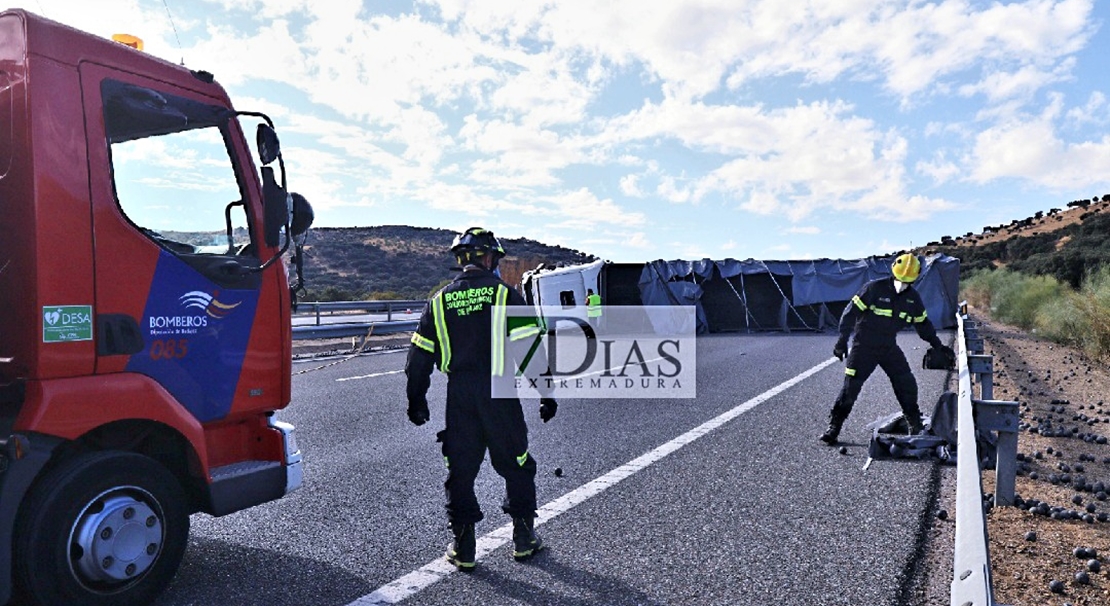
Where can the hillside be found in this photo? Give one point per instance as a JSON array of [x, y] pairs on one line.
[[401, 262], [1063, 243]]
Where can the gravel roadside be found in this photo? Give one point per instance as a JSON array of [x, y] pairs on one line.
[[1051, 548]]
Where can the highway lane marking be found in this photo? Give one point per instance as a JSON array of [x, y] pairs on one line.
[[438, 569], [371, 376], [395, 372]]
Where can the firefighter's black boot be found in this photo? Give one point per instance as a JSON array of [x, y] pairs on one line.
[[461, 553], [525, 540], [905, 389], [832, 433], [841, 409]]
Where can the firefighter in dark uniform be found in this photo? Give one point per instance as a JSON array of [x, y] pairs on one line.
[[873, 318], [454, 335]]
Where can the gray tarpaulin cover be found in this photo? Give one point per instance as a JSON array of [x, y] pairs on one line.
[[788, 295]]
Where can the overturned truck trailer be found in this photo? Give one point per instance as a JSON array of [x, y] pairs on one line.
[[748, 296]]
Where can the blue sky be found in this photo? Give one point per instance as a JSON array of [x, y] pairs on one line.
[[638, 130]]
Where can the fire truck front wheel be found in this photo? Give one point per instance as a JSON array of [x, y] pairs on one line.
[[101, 528]]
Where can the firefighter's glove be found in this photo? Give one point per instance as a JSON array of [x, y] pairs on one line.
[[840, 351], [418, 413], [548, 407]]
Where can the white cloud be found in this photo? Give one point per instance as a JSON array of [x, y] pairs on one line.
[[637, 240], [581, 209], [670, 190], [1032, 151], [1095, 111], [792, 161], [630, 186], [809, 230], [939, 169], [1022, 83]]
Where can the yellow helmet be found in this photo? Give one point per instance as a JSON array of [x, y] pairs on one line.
[[906, 268]]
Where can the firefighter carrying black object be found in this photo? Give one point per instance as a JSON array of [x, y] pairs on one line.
[[873, 318], [455, 334]]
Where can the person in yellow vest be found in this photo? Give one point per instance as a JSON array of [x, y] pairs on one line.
[[593, 308]]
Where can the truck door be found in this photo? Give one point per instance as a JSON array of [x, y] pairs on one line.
[[178, 237]]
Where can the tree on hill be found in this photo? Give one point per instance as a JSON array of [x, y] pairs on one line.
[[1068, 254]]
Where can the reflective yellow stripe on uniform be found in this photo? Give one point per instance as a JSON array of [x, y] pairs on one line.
[[858, 302], [921, 318], [883, 312], [851, 372], [441, 333], [423, 343], [522, 459], [524, 332], [499, 331]]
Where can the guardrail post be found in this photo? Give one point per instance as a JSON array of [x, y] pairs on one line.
[[982, 369], [316, 308], [974, 342], [1001, 416]]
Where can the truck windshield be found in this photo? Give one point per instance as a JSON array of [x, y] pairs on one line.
[[173, 175]]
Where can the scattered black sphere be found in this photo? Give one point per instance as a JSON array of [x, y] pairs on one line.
[[1082, 578], [942, 514], [558, 472], [1031, 536], [1056, 586], [1094, 565], [843, 450]]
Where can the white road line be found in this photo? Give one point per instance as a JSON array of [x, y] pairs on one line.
[[395, 372], [438, 569], [377, 374]]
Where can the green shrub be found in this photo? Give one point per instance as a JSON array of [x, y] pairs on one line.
[[1019, 297], [1079, 318], [1010, 296], [1063, 320], [1094, 300]]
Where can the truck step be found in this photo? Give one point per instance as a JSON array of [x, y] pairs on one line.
[[240, 469]]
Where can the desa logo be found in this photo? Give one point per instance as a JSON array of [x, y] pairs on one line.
[[66, 317]]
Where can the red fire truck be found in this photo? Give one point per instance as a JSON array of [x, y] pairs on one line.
[[144, 314]]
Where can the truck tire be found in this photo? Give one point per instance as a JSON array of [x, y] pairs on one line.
[[101, 528]]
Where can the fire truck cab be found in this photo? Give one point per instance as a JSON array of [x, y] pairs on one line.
[[145, 339]]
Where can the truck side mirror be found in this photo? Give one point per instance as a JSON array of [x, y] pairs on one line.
[[303, 215], [269, 148], [275, 207]]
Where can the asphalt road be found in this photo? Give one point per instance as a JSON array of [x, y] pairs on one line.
[[754, 511]]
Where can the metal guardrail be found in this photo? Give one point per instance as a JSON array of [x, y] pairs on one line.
[[340, 330], [352, 329], [388, 307], [971, 581]]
